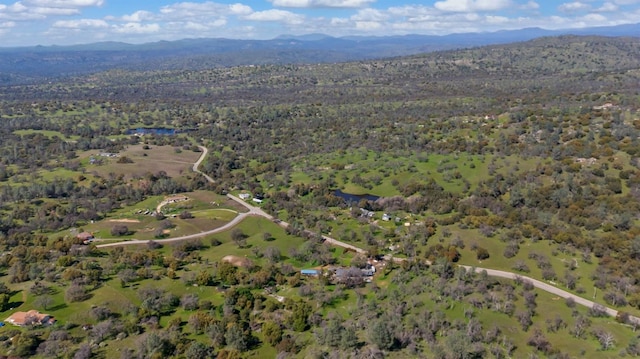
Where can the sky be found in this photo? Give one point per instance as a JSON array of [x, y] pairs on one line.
[[67, 22]]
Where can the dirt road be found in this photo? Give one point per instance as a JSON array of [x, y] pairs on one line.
[[256, 211]]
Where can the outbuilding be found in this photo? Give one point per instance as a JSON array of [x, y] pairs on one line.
[[310, 272]]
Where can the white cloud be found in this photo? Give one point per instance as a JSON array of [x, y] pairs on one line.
[[41, 9], [322, 3], [16, 7], [370, 15], [412, 10], [626, 2], [240, 9], [139, 16], [531, 5], [497, 19], [185, 10], [18, 12], [276, 15], [80, 24], [54, 11], [195, 26], [598, 18], [472, 5], [338, 21], [136, 28], [67, 4], [368, 25], [608, 7], [575, 6], [7, 24]]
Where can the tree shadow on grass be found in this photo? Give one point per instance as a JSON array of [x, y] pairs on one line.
[[14, 305], [57, 307]]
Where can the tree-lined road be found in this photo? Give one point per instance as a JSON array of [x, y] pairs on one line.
[[547, 288]]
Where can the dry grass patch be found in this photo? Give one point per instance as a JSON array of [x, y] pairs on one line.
[[236, 261], [125, 220], [153, 160]]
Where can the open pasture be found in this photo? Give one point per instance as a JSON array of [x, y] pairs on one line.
[[174, 162]]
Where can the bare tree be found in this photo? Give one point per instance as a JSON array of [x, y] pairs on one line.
[[605, 338], [539, 341], [524, 318], [272, 254], [238, 237], [102, 330], [189, 301], [84, 352], [43, 301], [580, 327]]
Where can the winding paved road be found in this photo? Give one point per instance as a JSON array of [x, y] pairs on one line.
[[547, 288], [256, 211]]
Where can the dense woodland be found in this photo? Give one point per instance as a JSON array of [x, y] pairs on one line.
[[520, 146]]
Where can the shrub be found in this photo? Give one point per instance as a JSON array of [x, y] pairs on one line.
[[511, 250], [76, 293], [125, 159], [185, 215], [119, 230], [520, 266], [482, 253]]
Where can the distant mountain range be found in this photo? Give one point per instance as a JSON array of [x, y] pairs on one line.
[[38, 63]]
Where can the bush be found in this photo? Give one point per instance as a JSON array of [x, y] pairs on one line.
[[119, 230], [511, 250], [520, 266], [598, 311], [570, 302], [76, 293], [125, 159], [482, 253]]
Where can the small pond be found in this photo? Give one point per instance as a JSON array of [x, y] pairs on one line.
[[348, 197], [152, 131]]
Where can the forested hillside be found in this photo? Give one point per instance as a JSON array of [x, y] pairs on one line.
[[22, 65], [520, 157]]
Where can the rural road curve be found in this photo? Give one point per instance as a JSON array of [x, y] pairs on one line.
[[256, 211], [227, 226], [547, 288]]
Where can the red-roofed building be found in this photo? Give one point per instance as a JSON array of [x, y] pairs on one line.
[[32, 317], [85, 237]]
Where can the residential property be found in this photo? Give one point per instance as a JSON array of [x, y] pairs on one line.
[[343, 274], [32, 317], [369, 272], [367, 213], [310, 272], [386, 217], [175, 199], [257, 200], [85, 237], [107, 154], [244, 196]]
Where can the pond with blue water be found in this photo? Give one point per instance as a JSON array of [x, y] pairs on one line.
[[348, 197], [152, 131]]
